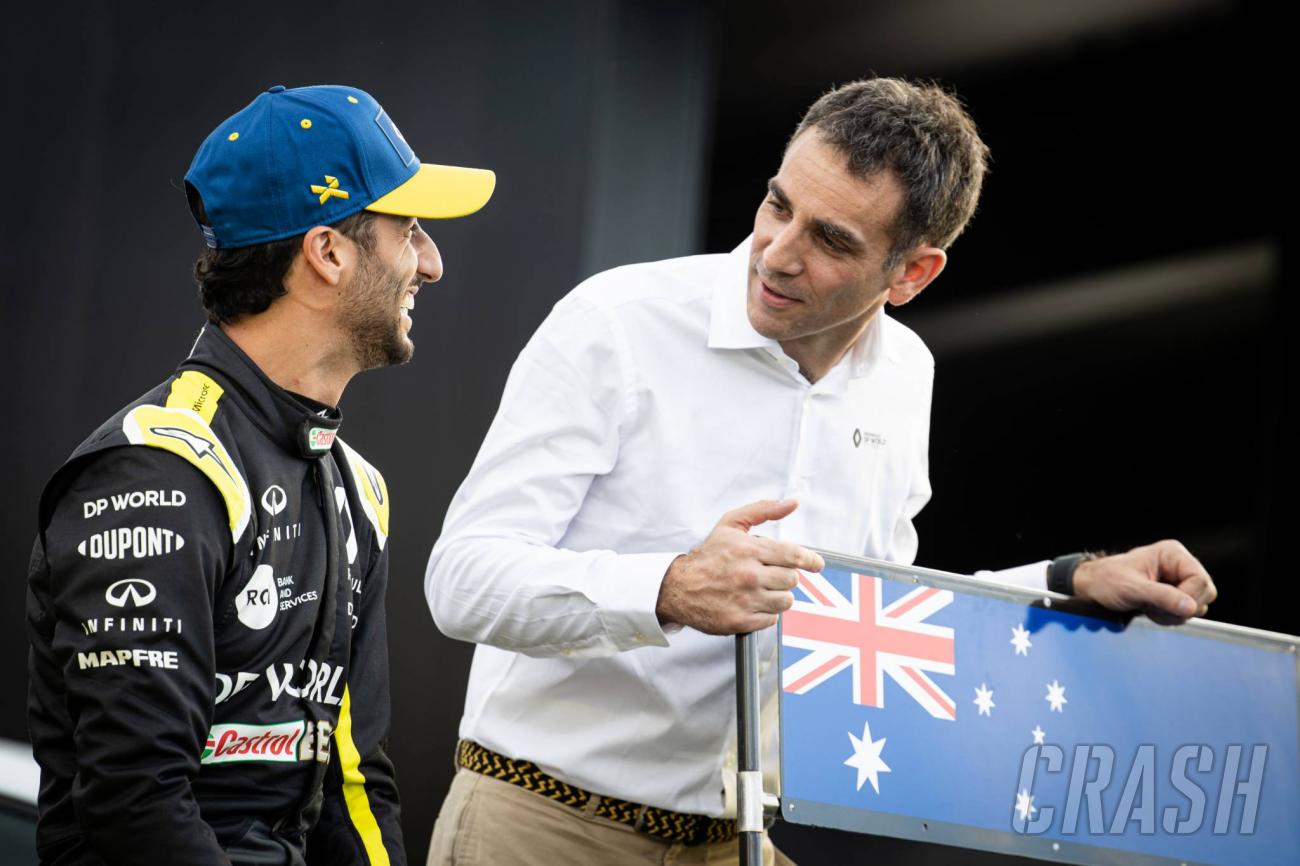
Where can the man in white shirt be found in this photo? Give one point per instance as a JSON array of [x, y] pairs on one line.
[[656, 397]]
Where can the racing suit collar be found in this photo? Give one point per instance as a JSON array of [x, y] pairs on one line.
[[301, 426]]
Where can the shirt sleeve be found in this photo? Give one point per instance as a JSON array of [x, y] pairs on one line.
[[497, 574], [1032, 576], [136, 546], [360, 820]]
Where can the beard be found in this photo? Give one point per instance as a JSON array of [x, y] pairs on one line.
[[372, 318]]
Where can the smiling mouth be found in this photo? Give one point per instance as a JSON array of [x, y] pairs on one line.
[[774, 298]]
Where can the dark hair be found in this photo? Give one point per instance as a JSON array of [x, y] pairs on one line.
[[924, 135], [244, 282]]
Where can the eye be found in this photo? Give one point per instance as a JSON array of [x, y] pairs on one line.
[[775, 205]]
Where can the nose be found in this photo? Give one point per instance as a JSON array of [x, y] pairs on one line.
[[429, 262], [782, 255]]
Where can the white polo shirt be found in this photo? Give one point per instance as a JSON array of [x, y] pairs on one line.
[[645, 407]]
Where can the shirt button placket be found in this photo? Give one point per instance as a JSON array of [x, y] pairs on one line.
[[799, 469]]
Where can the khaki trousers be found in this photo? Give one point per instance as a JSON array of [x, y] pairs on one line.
[[488, 822]]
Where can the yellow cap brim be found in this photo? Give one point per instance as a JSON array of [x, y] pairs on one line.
[[439, 192]]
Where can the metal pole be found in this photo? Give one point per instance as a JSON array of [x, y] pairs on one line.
[[749, 778]]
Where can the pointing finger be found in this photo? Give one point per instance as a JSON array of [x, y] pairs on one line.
[[748, 516]]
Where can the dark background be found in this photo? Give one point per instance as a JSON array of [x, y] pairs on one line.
[[1109, 333]]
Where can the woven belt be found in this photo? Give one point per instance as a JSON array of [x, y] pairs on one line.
[[660, 823]]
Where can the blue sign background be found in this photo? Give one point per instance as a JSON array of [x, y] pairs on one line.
[[1124, 687]]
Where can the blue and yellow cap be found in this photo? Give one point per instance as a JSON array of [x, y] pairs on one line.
[[298, 158]]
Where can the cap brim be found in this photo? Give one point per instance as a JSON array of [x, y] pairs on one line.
[[439, 192]]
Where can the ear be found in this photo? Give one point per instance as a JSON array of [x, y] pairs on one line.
[[327, 254], [916, 272]]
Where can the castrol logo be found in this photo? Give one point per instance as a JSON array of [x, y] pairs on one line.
[[236, 742]]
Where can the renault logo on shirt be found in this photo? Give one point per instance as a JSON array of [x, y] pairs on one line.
[[136, 590], [861, 437]]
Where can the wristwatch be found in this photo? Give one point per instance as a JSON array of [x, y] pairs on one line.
[[1060, 574]]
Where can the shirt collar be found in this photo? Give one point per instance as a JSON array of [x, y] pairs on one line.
[[729, 326]]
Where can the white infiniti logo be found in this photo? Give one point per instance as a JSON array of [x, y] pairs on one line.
[[138, 590], [274, 499]]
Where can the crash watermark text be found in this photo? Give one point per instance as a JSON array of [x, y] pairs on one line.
[[1174, 792]]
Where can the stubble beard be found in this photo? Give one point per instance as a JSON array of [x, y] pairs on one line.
[[809, 320], [371, 317], [766, 323]]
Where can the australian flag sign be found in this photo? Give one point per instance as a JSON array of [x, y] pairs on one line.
[[936, 707]]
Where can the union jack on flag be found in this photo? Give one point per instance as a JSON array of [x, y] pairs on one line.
[[873, 638]]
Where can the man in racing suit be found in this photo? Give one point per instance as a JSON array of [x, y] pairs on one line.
[[208, 666]]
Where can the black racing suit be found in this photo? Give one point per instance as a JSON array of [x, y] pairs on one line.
[[208, 667]]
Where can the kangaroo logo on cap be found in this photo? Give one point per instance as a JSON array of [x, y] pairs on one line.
[[330, 191]]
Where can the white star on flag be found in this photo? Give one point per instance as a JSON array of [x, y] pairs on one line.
[[1020, 640], [1025, 805], [866, 758], [1039, 734], [984, 700], [1056, 696]]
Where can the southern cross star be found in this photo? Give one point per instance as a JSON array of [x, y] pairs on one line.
[[1025, 805], [866, 758], [1056, 696], [1020, 640]]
